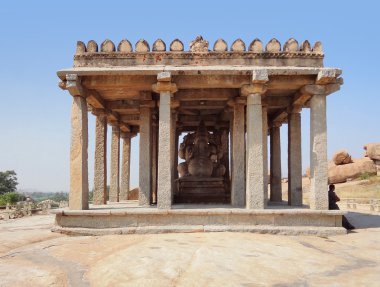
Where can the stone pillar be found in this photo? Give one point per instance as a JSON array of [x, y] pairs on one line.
[[265, 152], [125, 166], [164, 192], [78, 197], [173, 132], [154, 158], [318, 153], [145, 172], [238, 150], [165, 140], [255, 198], [231, 147], [100, 163], [275, 164], [177, 134], [294, 160], [115, 165]]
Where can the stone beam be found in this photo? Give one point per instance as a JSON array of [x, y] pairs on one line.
[[321, 89], [277, 101], [279, 116], [205, 94], [202, 104], [94, 99]]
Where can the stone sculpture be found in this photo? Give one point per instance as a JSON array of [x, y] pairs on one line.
[[202, 152]]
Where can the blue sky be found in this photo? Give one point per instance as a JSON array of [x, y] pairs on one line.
[[39, 37]]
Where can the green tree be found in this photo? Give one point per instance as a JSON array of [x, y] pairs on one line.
[[8, 181], [11, 198]]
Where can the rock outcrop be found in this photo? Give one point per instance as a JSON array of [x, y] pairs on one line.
[[373, 150], [341, 173], [342, 157]]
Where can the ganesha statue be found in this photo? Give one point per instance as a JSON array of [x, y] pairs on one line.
[[202, 152]]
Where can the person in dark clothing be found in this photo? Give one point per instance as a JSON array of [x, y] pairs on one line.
[[333, 199]]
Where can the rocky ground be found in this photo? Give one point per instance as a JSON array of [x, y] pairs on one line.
[[30, 255]]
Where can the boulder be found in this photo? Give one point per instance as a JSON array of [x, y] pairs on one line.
[[340, 173], [373, 151], [341, 157]]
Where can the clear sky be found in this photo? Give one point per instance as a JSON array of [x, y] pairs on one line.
[[39, 37]]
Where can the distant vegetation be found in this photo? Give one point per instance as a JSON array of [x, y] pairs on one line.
[[8, 194], [8, 186], [8, 181], [40, 196]]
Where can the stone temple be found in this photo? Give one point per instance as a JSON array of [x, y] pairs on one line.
[[204, 117]]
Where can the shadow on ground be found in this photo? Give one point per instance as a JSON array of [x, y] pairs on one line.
[[363, 220]]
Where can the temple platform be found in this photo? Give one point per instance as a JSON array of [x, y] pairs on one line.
[[198, 190], [129, 218]]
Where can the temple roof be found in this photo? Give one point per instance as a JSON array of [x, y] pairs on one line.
[[199, 53], [120, 80]]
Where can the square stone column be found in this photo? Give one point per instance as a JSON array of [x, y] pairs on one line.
[[255, 198], [115, 165], [78, 197], [318, 153], [265, 152], [164, 192], [125, 166], [294, 160], [154, 158], [173, 132], [145, 173], [238, 157], [275, 164], [100, 163]]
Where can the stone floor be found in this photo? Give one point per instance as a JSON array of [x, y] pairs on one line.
[[30, 255]]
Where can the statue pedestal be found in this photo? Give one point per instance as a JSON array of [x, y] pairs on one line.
[[201, 190]]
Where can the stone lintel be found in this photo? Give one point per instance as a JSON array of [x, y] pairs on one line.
[[320, 89], [275, 124], [174, 104], [145, 95], [147, 104], [237, 101], [192, 70], [127, 135], [164, 87], [259, 76], [246, 90], [98, 112]]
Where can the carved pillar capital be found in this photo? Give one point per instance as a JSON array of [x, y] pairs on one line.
[[246, 90], [73, 85]]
